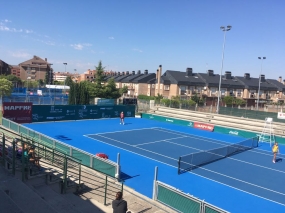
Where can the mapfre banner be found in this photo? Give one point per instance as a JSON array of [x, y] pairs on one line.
[[207, 127], [19, 112]]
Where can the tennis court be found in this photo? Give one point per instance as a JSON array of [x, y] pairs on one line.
[[247, 177]]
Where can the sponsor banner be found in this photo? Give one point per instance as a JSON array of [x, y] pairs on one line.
[[106, 102], [19, 112], [207, 127], [281, 115], [42, 113], [168, 120]]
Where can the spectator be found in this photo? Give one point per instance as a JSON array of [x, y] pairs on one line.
[[119, 205], [33, 158]]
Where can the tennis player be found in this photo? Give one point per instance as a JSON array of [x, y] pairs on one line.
[[275, 150], [122, 117]]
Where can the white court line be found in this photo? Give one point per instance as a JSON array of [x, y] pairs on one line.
[[246, 162], [122, 131], [136, 147], [243, 181], [167, 140], [260, 151], [157, 141], [191, 172]]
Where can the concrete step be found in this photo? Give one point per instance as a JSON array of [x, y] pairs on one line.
[[67, 203], [7, 205], [22, 196]]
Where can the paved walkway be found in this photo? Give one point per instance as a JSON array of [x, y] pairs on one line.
[[35, 196]]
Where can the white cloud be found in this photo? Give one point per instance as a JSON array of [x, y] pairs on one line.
[[80, 46], [20, 54], [111, 37], [4, 27], [138, 50], [28, 31]]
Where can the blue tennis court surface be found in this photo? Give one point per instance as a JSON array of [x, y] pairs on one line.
[[245, 182]]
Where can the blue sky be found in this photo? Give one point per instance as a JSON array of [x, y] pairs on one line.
[[129, 35]]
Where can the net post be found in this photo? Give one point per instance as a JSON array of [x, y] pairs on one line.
[[117, 175], [179, 165], [154, 190]]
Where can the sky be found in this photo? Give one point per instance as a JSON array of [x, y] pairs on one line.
[[131, 35]]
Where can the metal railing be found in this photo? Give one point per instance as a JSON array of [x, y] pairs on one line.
[[105, 166], [179, 201]]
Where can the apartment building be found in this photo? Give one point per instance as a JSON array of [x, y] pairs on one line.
[[15, 70], [5, 69], [206, 85], [138, 83], [35, 69]]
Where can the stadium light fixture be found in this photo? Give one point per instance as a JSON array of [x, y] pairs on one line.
[[224, 29], [257, 103]]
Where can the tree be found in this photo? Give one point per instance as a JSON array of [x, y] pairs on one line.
[[68, 81], [158, 98], [99, 80], [5, 88], [123, 90], [83, 95], [48, 77], [229, 100], [110, 91]]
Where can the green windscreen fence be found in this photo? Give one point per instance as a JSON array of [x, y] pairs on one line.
[[182, 202], [177, 201], [42, 113], [253, 114], [104, 166]]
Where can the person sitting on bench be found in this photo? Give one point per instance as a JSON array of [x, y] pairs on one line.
[[32, 157]]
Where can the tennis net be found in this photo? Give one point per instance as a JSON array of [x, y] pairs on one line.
[[194, 160]]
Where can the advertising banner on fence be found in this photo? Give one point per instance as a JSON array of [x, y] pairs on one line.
[[19, 112], [207, 127], [281, 115], [42, 113]]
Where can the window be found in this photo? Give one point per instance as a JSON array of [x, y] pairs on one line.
[[148, 86], [213, 90], [153, 86], [182, 90], [166, 87], [161, 85], [156, 87]]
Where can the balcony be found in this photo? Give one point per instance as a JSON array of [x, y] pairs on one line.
[[131, 87]]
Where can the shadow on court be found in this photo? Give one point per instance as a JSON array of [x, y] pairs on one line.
[[125, 176], [63, 138]]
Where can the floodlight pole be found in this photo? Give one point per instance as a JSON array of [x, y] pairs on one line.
[[75, 86], [65, 76], [39, 75], [225, 29], [257, 103], [50, 70]]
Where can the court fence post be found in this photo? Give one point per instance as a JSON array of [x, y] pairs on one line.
[[105, 194], [117, 175], [154, 190], [14, 156], [179, 165], [23, 160], [3, 148]]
